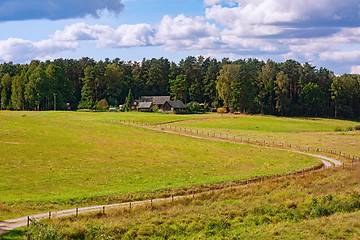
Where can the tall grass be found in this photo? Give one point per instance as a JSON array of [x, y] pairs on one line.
[[297, 207]]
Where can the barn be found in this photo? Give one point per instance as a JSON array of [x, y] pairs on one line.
[[171, 106], [144, 106]]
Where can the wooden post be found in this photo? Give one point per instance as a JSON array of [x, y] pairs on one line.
[[193, 193], [352, 164], [49, 215], [103, 210], [130, 206], [28, 221], [151, 202], [303, 171], [77, 212], [172, 197], [343, 165]]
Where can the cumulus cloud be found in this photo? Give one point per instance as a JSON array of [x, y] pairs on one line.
[[185, 33], [13, 10], [289, 18], [19, 50], [174, 34], [107, 37], [355, 70]]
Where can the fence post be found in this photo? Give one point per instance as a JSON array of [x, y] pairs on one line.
[[28, 221], [49, 215], [172, 197], [343, 165], [130, 206], [103, 210], [151, 202], [193, 193], [77, 212], [303, 171]]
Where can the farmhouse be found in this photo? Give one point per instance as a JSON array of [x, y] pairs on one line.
[[145, 106], [156, 100], [134, 105], [171, 106]]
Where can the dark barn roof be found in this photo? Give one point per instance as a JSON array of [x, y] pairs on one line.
[[145, 105], [176, 104], [158, 100]]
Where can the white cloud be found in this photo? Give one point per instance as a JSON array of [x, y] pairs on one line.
[[341, 57], [355, 70], [107, 37], [182, 27], [19, 50]]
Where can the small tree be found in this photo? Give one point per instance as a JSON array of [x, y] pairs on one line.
[[102, 105], [130, 99]]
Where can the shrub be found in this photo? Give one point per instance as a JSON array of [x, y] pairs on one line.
[[222, 110], [357, 127], [338, 129], [350, 129], [155, 108], [102, 105]]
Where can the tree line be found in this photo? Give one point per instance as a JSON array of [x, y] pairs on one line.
[[252, 86]]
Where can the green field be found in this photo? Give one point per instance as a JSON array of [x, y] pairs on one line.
[[266, 123], [56, 159], [320, 205], [59, 160]]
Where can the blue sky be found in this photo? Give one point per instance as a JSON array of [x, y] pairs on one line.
[[325, 33]]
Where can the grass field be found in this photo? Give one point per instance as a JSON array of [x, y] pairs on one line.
[[320, 205], [306, 132], [56, 159]]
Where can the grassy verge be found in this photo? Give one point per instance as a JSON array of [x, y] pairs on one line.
[[54, 160], [319, 205]]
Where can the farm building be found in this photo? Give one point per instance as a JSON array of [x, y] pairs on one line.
[[134, 105], [156, 100], [171, 106], [145, 106]]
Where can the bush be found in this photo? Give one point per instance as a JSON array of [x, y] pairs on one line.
[[102, 105], [350, 129], [222, 110], [155, 108], [338, 129], [357, 127]]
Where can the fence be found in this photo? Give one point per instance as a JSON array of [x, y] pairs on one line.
[[277, 144]]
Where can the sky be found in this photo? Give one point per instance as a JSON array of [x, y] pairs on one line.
[[325, 33]]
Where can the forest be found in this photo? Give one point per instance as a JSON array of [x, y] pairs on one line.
[[251, 86]]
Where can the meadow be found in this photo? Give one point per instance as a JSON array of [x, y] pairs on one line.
[[58, 160], [330, 134], [318, 205], [54, 160]]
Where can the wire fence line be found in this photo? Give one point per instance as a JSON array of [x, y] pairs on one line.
[[227, 137]]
